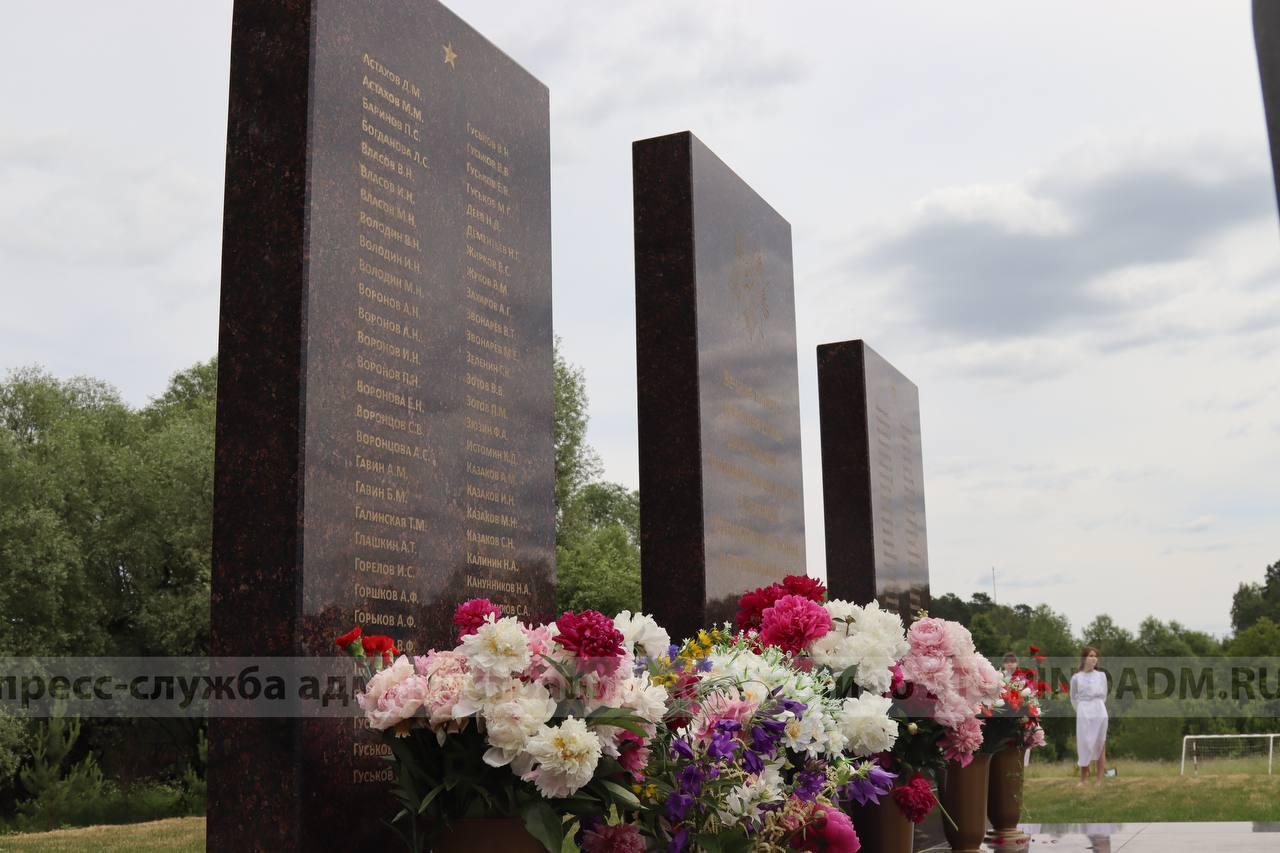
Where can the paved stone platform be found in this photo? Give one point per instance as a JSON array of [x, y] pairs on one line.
[[1207, 837]]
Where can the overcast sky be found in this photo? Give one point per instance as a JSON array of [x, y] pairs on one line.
[[1057, 220]]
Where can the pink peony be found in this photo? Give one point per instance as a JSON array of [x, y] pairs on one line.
[[470, 615], [927, 637], [832, 832], [960, 743], [444, 674], [393, 695], [621, 838], [1037, 738], [593, 637], [958, 641], [793, 622]]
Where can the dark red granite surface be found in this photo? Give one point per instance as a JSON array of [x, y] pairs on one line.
[[722, 508], [385, 389], [872, 480]]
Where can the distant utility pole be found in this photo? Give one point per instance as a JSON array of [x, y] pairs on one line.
[[994, 600]]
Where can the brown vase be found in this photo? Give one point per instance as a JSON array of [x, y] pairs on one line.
[[964, 796], [883, 828], [1004, 799], [486, 835]]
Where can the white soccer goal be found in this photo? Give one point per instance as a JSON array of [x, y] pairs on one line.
[[1229, 753]]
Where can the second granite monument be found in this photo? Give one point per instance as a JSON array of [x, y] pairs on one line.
[[872, 480], [722, 508]]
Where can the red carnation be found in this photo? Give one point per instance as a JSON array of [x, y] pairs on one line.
[[344, 642], [378, 644], [593, 638], [1035, 650], [470, 615], [805, 586], [915, 798], [752, 605]]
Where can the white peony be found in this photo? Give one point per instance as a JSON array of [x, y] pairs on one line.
[[647, 699], [566, 756], [393, 695], [867, 637], [867, 725], [640, 629], [510, 722], [496, 652]]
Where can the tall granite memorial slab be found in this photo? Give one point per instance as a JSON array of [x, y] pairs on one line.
[[384, 435], [722, 508], [872, 480], [1266, 41]]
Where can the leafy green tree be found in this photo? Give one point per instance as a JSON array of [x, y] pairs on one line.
[[1261, 639], [105, 516], [1253, 601], [597, 523], [1110, 639], [576, 463]]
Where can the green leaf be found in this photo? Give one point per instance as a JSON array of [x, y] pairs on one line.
[[621, 794], [426, 801], [708, 842], [544, 824]]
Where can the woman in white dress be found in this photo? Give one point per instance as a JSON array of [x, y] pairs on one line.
[[1088, 697]]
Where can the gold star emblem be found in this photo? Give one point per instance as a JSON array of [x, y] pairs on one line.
[[450, 55]]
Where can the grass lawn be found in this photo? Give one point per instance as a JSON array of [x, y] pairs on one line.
[[1146, 791], [179, 834]]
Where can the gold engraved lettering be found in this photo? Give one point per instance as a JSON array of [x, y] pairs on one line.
[[386, 348], [500, 519], [395, 211], [386, 184], [490, 539], [391, 257], [778, 490], [496, 496], [511, 587], [488, 302], [400, 448], [752, 422], [390, 570], [383, 543], [488, 180], [491, 366], [505, 564], [388, 233], [493, 244], [486, 385], [764, 457], [493, 453], [491, 325], [758, 509], [491, 283], [504, 350], [483, 428], [760, 539], [733, 383]]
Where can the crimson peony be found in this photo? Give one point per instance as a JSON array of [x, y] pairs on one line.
[[593, 637], [793, 622]]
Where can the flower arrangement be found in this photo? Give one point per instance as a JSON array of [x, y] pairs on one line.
[[1013, 720], [756, 754], [534, 722]]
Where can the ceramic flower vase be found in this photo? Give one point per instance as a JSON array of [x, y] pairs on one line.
[[964, 796], [1004, 799], [485, 835], [882, 828]]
